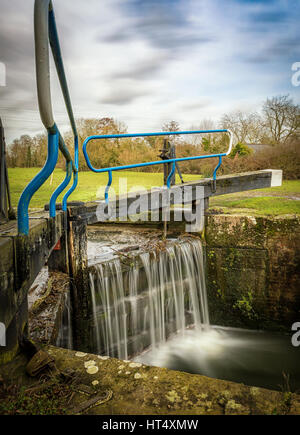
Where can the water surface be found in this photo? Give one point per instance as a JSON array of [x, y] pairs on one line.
[[255, 358]]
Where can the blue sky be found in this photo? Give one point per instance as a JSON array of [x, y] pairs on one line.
[[145, 62]]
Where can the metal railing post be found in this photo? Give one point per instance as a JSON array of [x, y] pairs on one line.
[[36, 183], [59, 189], [45, 33]]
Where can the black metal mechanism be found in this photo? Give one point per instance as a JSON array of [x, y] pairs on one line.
[[6, 210], [168, 152]]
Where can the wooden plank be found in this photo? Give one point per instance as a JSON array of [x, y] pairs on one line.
[[196, 190]]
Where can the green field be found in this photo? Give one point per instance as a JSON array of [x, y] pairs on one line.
[[274, 201], [90, 185], [258, 206]]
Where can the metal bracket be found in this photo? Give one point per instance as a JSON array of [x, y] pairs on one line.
[[213, 186]]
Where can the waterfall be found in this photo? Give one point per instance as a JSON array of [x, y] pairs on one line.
[[142, 303], [65, 333]]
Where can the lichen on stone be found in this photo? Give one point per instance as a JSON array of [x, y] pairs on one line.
[[234, 408], [80, 354], [172, 396], [135, 364], [223, 397], [91, 370], [254, 391], [89, 363]]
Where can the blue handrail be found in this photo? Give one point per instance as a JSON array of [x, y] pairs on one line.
[[59, 189], [45, 32], [35, 184], [159, 162], [75, 176]]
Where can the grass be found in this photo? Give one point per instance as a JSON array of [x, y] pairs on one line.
[[53, 400], [262, 206], [90, 185], [290, 187], [271, 201]]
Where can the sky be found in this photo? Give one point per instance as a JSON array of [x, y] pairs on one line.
[[146, 62]]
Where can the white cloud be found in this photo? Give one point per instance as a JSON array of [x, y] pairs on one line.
[[180, 59]]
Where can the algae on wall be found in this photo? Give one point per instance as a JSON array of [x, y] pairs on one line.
[[253, 271]]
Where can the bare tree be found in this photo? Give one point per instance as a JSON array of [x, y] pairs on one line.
[[204, 124], [282, 118], [171, 126], [247, 128]]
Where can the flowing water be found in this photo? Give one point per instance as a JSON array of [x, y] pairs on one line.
[[153, 308], [65, 334], [142, 304], [254, 358]]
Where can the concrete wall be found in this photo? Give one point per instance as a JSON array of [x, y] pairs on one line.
[[253, 271]]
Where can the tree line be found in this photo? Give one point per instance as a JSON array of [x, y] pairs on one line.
[[278, 124]]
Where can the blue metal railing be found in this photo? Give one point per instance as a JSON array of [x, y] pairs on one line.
[[159, 162], [45, 32]]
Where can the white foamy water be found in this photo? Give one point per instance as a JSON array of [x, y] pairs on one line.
[[256, 358], [142, 304]]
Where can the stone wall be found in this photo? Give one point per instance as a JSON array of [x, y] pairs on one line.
[[21, 259], [46, 313], [253, 271]]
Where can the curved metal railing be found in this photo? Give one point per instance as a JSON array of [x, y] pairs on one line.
[[45, 33], [159, 162]]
